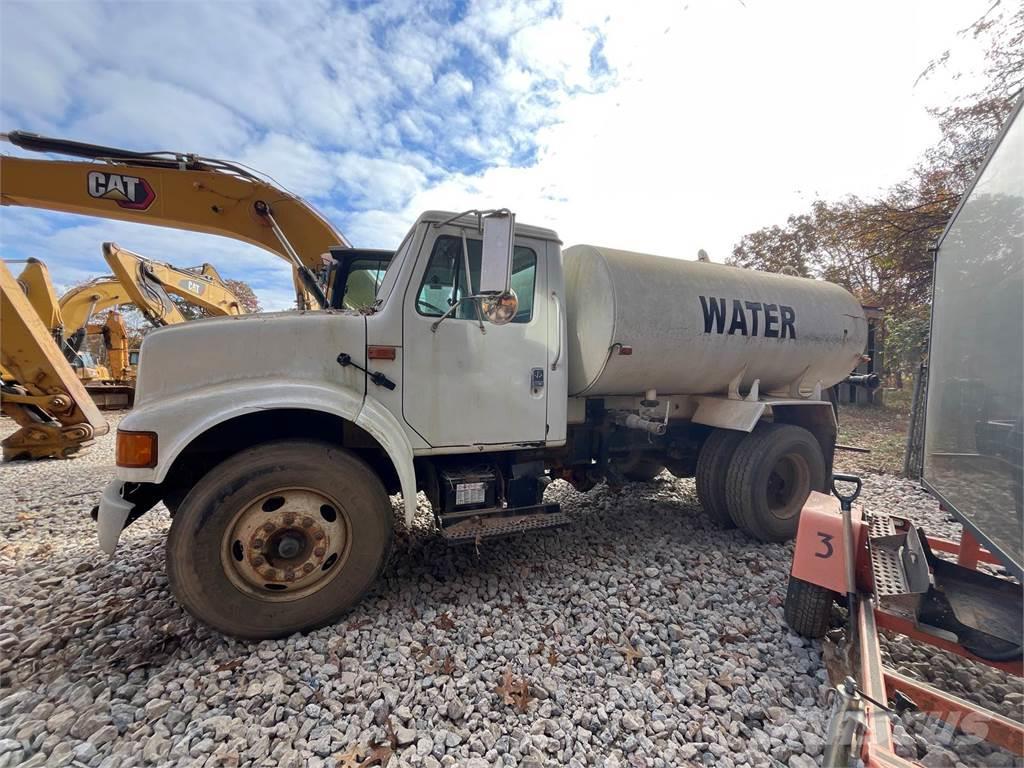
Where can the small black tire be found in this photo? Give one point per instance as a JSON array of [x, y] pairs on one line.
[[642, 470], [808, 608], [712, 467], [197, 569], [773, 471]]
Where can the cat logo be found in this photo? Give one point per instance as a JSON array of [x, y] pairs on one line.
[[127, 191], [192, 286]]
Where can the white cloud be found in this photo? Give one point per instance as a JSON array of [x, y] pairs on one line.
[[709, 120]]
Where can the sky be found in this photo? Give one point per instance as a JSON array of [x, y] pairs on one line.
[[663, 127]]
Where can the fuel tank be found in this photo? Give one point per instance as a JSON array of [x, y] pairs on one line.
[[637, 322]]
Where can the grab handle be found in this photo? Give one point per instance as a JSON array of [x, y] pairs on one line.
[[846, 500], [558, 330]]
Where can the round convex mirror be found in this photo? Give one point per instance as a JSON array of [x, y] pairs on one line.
[[501, 308]]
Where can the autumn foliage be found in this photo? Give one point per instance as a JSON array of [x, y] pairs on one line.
[[881, 248]]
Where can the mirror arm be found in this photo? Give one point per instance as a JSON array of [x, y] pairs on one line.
[[446, 315], [469, 280], [476, 212]]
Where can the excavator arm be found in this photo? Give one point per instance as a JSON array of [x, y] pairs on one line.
[[38, 288], [172, 190], [148, 285], [80, 304], [149, 282], [40, 390]]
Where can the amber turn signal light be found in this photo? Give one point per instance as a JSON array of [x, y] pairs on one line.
[[136, 449]]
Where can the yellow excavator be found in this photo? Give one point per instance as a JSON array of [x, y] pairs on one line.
[[147, 284], [40, 390], [171, 189]]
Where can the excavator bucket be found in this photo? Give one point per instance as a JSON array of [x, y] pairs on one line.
[[40, 391]]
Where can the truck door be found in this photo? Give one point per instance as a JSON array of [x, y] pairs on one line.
[[462, 387]]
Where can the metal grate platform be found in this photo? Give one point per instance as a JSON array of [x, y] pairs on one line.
[[490, 527]]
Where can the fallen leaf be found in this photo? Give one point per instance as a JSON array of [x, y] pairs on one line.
[[632, 654], [362, 757], [444, 621], [514, 691]]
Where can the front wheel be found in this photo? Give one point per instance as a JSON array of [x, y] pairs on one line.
[[280, 538]]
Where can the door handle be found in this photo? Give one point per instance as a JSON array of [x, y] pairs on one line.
[[558, 330]]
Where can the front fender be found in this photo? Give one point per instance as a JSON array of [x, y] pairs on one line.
[[385, 428], [180, 419]]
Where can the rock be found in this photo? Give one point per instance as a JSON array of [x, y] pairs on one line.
[[154, 749], [938, 757], [405, 736], [632, 722], [156, 708]]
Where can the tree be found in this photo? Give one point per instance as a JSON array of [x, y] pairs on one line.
[[246, 295], [880, 249], [778, 249], [243, 292]]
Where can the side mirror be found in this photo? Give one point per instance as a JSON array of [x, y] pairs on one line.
[[496, 259], [500, 308]]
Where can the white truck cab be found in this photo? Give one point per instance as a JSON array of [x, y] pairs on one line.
[[466, 365]]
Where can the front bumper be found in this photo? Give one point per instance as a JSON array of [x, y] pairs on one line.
[[121, 505]]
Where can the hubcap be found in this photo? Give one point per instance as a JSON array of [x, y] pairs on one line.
[[788, 485], [286, 545]]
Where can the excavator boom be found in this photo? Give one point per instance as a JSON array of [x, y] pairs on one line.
[[149, 282], [41, 391], [172, 190]]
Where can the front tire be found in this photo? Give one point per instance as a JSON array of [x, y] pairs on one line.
[[772, 473], [280, 538]]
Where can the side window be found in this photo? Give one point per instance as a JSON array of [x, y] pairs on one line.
[[444, 281]]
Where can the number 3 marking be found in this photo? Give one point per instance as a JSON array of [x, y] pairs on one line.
[[826, 540]]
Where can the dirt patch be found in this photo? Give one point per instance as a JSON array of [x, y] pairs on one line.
[[882, 429]]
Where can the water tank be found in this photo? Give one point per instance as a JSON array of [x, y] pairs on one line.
[[637, 322]]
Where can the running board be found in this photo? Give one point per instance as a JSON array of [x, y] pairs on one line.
[[475, 525]]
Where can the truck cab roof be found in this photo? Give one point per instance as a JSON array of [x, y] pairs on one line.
[[470, 220]]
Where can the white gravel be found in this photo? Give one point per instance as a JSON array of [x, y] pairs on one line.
[[641, 635]]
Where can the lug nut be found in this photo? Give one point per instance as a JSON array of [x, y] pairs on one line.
[[307, 567], [258, 543], [318, 535], [307, 522], [289, 518], [258, 560], [319, 551], [268, 527], [289, 575]]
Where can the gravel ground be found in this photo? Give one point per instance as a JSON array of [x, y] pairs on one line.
[[640, 635]]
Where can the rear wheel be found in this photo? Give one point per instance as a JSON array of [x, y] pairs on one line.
[[808, 608], [773, 471], [712, 466], [280, 538]]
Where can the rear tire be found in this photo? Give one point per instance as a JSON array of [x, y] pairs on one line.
[[712, 467], [808, 608], [280, 538], [771, 475]]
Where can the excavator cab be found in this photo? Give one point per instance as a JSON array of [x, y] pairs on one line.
[[353, 276]]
